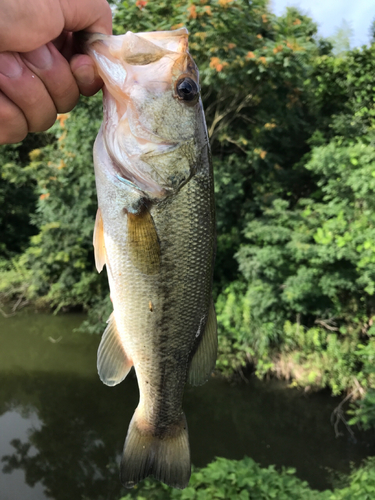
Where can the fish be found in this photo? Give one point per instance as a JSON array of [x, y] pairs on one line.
[[155, 233]]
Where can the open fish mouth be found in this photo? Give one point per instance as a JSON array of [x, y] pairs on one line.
[[150, 78]]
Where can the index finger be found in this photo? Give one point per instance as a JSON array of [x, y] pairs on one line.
[[26, 25], [94, 16]]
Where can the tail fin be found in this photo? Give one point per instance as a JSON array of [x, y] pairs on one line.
[[166, 457]]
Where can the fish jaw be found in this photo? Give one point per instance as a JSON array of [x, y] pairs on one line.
[[150, 133]]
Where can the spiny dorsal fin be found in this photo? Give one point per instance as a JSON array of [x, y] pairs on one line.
[[98, 242], [204, 359], [143, 242], [113, 364]]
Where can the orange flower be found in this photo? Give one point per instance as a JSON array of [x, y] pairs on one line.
[[277, 49], [260, 152], [264, 18], [192, 12], [263, 60], [259, 36], [141, 4], [62, 118], [44, 196], [177, 26], [207, 8], [231, 45], [61, 165], [297, 22], [250, 55], [224, 3], [215, 63]]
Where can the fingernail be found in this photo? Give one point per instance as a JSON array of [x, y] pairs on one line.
[[85, 75], [9, 66], [41, 58]]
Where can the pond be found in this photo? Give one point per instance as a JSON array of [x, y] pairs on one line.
[[62, 430]]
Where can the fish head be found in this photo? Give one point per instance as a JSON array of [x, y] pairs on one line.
[[152, 108]]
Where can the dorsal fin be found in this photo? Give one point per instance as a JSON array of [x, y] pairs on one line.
[[113, 363], [98, 242], [204, 359]]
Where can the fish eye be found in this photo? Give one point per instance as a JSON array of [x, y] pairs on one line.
[[187, 89]]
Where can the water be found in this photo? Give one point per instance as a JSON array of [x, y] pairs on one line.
[[62, 430]]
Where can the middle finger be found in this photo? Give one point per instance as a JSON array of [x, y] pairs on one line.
[[54, 70]]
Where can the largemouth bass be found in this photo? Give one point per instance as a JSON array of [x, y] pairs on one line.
[[155, 232]]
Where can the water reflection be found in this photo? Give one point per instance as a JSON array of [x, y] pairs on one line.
[[75, 450], [73, 426]]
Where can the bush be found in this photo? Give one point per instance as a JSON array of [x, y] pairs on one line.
[[246, 480]]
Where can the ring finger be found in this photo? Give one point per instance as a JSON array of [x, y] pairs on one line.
[[54, 71]]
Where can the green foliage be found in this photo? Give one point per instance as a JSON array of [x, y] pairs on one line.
[[17, 198], [15, 281], [246, 480], [238, 480], [60, 255], [361, 484], [364, 412], [313, 263], [307, 284]]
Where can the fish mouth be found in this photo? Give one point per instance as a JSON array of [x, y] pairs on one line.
[[140, 72], [162, 41]]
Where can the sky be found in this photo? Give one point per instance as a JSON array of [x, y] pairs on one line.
[[329, 14]]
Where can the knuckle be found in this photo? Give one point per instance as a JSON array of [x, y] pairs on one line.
[[67, 92]]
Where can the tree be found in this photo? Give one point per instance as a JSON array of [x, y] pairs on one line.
[[341, 40]]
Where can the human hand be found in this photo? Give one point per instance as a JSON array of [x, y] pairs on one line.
[[40, 72]]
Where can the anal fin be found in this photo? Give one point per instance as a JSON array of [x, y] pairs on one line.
[[204, 359], [113, 363], [143, 242], [98, 242]]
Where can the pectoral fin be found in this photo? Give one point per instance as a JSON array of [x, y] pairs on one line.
[[143, 242], [98, 242], [204, 359], [113, 363]]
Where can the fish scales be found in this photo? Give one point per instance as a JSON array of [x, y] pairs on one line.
[[179, 293], [155, 231]]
